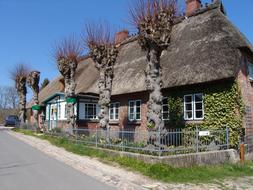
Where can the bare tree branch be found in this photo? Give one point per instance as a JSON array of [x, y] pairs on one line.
[[98, 35], [103, 51], [19, 76], [69, 49]]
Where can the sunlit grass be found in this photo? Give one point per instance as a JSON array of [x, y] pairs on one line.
[[196, 174]]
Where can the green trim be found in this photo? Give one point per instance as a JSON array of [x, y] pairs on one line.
[[36, 107], [71, 100], [52, 96]]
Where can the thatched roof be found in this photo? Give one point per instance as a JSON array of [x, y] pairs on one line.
[[86, 78], [203, 48]]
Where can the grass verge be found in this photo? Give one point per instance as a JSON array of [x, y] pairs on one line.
[[163, 172]]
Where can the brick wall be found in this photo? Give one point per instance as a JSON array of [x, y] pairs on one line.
[[123, 111], [87, 124], [246, 87]]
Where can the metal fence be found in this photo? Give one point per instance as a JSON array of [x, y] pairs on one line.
[[173, 141], [248, 140]]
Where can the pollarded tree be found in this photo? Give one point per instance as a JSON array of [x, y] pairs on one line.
[[33, 80], [103, 51], [66, 54], [154, 20], [19, 76], [44, 83]]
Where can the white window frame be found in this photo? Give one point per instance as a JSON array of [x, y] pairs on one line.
[[97, 111], [134, 113], [166, 111], [112, 111], [47, 112], [59, 111], [250, 69], [193, 103]]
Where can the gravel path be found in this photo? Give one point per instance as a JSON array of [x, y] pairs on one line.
[[119, 177]]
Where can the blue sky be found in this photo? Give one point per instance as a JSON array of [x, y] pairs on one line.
[[30, 28]]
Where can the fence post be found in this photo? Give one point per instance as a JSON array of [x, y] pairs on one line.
[[197, 139], [227, 137], [76, 134], [242, 153], [160, 142], [96, 137], [122, 139]]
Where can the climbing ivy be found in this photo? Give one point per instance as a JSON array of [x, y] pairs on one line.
[[223, 107]]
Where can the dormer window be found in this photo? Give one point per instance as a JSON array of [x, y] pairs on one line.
[[250, 68]]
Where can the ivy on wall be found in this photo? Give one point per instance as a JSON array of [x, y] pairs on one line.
[[223, 107]]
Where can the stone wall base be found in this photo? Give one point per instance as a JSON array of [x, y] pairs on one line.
[[185, 160]]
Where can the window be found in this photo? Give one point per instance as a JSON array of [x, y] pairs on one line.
[[59, 111], [65, 110], [91, 111], [47, 112], [250, 68], [193, 107], [165, 108], [114, 111], [134, 110]]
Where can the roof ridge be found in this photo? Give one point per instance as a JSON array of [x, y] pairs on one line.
[[179, 19]]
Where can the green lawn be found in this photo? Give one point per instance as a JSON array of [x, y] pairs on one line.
[[163, 172]]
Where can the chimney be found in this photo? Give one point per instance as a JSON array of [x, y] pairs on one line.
[[121, 36], [192, 6]]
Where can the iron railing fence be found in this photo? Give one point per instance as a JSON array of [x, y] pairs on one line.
[[248, 140], [171, 142]]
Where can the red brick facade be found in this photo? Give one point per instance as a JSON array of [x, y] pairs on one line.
[[246, 87], [123, 111]]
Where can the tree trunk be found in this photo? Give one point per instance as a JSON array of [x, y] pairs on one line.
[[154, 86], [70, 87], [22, 106], [33, 80]]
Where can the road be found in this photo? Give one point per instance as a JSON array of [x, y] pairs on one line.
[[25, 168]]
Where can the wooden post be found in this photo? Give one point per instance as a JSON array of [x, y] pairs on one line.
[[242, 153]]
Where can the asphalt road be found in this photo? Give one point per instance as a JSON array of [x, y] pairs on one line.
[[25, 168]]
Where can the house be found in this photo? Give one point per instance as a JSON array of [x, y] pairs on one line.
[[207, 74]]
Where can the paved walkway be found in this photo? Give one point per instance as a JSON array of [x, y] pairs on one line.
[[24, 168], [121, 178]]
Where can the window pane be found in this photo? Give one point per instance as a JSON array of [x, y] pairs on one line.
[[138, 116], [131, 104], [131, 117], [198, 106], [198, 97], [165, 115], [188, 99], [138, 103], [116, 113], [165, 101], [165, 108], [250, 66], [199, 114], [59, 112], [131, 110], [138, 109], [188, 115], [188, 107]]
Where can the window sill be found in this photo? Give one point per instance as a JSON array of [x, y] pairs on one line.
[[114, 122], [135, 122], [199, 121], [89, 120]]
